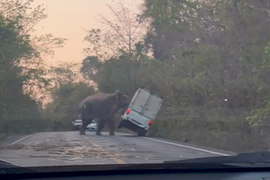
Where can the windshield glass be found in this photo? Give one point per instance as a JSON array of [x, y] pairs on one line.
[[203, 64]]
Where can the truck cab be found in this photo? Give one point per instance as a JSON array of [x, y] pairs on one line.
[[141, 112]]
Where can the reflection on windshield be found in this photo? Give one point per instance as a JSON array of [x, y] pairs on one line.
[[68, 95]]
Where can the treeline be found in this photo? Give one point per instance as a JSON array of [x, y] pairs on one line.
[[22, 72], [209, 59]]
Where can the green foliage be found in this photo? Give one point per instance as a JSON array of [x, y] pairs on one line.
[[22, 68], [64, 109], [112, 74], [14, 104]]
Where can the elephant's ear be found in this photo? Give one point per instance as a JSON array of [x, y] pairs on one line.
[[124, 101], [117, 96]]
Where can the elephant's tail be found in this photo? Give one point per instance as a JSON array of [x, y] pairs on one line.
[[81, 108], [85, 109]]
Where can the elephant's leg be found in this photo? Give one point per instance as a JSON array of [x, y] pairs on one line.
[[100, 126], [83, 127], [111, 125], [86, 119], [85, 123]]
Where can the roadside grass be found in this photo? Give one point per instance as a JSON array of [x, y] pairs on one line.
[[230, 135]]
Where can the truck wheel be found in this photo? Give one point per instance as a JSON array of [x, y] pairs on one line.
[[142, 132]]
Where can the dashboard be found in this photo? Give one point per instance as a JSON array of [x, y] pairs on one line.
[[140, 172], [174, 176]]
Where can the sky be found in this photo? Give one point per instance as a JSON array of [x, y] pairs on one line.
[[69, 19]]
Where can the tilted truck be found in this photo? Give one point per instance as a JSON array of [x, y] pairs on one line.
[[141, 112]]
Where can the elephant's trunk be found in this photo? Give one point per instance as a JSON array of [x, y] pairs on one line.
[[124, 109]]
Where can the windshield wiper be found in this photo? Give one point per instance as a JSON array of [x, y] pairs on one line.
[[256, 158]]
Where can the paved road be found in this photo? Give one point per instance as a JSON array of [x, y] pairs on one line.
[[69, 148]]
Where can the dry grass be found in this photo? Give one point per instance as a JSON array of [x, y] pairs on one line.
[[231, 136]]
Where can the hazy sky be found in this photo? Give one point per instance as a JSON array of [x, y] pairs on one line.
[[68, 19]]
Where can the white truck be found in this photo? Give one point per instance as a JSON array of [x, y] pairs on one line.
[[141, 112], [77, 123], [92, 126]]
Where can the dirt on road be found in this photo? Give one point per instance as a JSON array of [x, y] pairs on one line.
[[64, 148]]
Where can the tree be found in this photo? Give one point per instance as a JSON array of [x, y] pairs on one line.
[[118, 36], [22, 70], [14, 104], [44, 45]]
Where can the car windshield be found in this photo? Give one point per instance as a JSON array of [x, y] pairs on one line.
[[145, 81]]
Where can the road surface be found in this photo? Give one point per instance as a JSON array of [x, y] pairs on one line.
[[69, 148]]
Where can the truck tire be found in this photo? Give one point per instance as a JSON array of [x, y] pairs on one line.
[[142, 132]]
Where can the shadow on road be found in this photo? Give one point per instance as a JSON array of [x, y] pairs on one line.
[[117, 135], [127, 135]]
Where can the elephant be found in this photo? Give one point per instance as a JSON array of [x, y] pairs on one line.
[[101, 123], [103, 107]]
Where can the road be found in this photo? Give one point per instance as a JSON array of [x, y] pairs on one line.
[[69, 148]]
